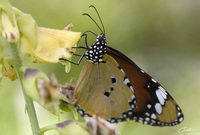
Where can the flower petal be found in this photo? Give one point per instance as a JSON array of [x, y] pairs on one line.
[[54, 44]]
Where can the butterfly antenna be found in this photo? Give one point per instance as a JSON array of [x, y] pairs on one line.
[[93, 21], [99, 18], [90, 32]]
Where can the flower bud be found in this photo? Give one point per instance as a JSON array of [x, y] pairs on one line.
[[10, 30]]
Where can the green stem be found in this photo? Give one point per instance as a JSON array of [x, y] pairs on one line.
[[47, 128], [28, 101]]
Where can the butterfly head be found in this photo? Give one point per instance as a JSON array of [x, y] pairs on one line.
[[101, 38]]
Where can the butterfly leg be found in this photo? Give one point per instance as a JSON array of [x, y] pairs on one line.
[[85, 35], [73, 62], [80, 47], [77, 54]]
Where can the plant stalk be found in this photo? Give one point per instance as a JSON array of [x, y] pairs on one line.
[[28, 101]]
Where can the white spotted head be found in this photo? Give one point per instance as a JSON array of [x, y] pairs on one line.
[[101, 38]]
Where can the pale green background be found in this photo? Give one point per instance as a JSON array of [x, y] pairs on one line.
[[161, 36]]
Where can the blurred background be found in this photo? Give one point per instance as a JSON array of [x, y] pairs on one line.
[[162, 37]]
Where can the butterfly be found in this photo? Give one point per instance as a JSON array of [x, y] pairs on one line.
[[113, 87]]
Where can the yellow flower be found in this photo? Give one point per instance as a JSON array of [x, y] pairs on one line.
[[43, 45], [51, 45], [8, 24]]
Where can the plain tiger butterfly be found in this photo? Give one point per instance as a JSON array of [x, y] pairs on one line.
[[113, 87]]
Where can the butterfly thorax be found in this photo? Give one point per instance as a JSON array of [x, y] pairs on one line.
[[95, 51]]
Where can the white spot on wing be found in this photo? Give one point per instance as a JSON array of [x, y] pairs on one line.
[[163, 90], [131, 88], [147, 119], [80, 112], [158, 108], [153, 121], [160, 97], [146, 113], [153, 116], [181, 119], [122, 71], [112, 121], [134, 101], [133, 97], [130, 113], [135, 118], [163, 94], [86, 114], [126, 81], [149, 106], [141, 119], [153, 80], [119, 120], [132, 106], [100, 60]]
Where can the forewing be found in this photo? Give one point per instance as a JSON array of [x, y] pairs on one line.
[[154, 105]]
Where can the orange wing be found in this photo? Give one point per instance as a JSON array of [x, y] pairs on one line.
[[102, 90], [154, 105]]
